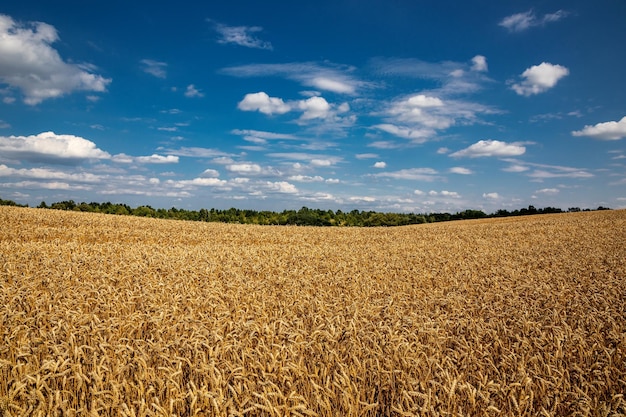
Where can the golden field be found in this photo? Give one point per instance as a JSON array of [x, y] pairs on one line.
[[105, 315]]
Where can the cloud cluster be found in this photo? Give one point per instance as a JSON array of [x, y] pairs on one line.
[[315, 107], [30, 63], [604, 131], [520, 22], [539, 78]]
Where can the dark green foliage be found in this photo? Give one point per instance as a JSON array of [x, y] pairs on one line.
[[303, 217]]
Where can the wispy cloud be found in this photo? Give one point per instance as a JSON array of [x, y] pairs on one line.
[[413, 174], [240, 35], [156, 68], [520, 22], [328, 77], [192, 91]]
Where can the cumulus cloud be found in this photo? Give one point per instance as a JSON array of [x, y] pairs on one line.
[[240, 35], [244, 168], [283, 187], [314, 108], [520, 22], [30, 63], [210, 173], [156, 68], [50, 147], [604, 131], [157, 159], [263, 103], [539, 78], [380, 164], [420, 116], [479, 63], [484, 148], [192, 91], [491, 196]]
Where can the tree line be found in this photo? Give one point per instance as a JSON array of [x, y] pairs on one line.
[[302, 217]]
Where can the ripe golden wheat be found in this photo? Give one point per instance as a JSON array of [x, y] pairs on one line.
[[103, 315]]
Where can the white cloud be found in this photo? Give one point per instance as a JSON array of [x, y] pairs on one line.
[[210, 173], [520, 22], [197, 152], [30, 64], [281, 187], [444, 193], [156, 68], [461, 171], [241, 35], [263, 135], [484, 148], [366, 156], [479, 63], [418, 192], [157, 159], [491, 196], [539, 78], [4, 125], [550, 191], [306, 178], [380, 164], [328, 84], [244, 168], [364, 199], [544, 171], [314, 108], [604, 131], [263, 103], [49, 174], [192, 91], [516, 168], [414, 135], [50, 147], [326, 77], [322, 162], [420, 116], [414, 174], [319, 160]]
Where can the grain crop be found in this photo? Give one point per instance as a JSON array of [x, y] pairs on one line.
[[104, 315]]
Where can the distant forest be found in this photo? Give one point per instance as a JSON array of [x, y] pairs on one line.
[[303, 217]]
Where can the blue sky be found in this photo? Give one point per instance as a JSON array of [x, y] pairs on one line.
[[407, 106]]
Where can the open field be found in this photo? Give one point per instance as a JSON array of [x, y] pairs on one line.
[[121, 316]]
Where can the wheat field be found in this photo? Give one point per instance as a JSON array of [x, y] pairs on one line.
[[104, 315]]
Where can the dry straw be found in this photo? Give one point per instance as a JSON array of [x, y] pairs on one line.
[[119, 316]]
